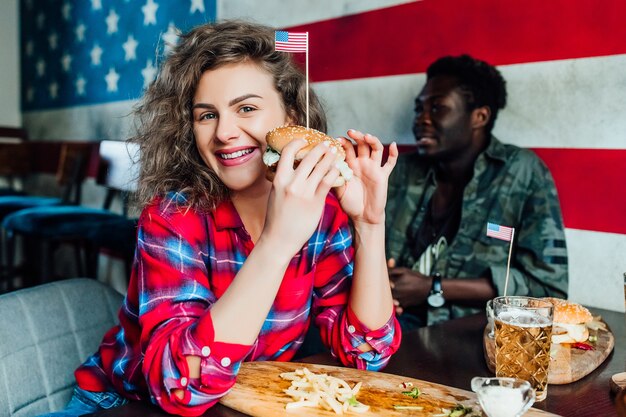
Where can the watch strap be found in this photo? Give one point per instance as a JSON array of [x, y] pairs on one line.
[[436, 285]]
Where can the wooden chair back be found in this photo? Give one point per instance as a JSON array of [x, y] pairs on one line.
[[72, 169]]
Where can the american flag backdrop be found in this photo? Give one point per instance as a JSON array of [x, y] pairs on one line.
[[563, 61], [76, 53]]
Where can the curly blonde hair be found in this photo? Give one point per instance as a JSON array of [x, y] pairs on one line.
[[169, 159]]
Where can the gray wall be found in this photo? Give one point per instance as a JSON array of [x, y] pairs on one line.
[[10, 114]]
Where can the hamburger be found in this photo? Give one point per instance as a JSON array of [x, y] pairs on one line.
[[279, 137], [569, 322]]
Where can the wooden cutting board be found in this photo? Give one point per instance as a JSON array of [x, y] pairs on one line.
[[566, 364], [259, 392]]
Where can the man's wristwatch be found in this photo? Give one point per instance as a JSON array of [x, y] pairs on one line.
[[435, 298]]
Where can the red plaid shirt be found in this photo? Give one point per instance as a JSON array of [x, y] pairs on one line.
[[185, 260]]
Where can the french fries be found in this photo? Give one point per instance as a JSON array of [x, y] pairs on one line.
[[309, 389]]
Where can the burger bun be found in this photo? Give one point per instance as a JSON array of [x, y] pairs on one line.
[[279, 137], [569, 312], [570, 321]]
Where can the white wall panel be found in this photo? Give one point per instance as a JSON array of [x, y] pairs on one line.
[[597, 262], [577, 103], [10, 114], [559, 104], [103, 121], [381, 106]]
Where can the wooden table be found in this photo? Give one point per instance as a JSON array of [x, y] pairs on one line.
[[451, 354]]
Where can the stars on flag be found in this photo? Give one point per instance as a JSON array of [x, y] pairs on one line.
[[197, 6], [41, 19], [30, 47], [80, 32], [66, 62], [80, 85], [41, 68], [112, 20], [170, 39], [149, 13], [52, 40], [96, 54], [148, 73], [54, 90], [66, 10], [112, 78], [130, 48], [30, 94], [98, 51]]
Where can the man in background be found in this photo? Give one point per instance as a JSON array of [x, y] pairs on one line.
[[442, 263]]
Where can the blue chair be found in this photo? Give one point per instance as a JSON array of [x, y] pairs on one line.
[[71, 171], [116, 236], [89, 229], [72, 168]]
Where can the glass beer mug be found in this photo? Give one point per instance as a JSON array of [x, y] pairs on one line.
[[489, 313], [523, 332]]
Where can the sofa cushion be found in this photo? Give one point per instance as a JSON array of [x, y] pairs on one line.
[[46, 332]]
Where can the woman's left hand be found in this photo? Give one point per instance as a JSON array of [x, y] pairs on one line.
[[364, 197]]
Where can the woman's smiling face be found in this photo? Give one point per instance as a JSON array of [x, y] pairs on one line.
[[234, 107]]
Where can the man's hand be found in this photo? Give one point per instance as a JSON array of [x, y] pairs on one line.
[[408, 287]]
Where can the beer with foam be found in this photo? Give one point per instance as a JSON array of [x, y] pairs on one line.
[[523, 331]]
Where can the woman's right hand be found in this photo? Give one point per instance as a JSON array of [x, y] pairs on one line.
[[297, 197]]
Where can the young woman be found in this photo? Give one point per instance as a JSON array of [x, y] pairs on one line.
[[229, 266]]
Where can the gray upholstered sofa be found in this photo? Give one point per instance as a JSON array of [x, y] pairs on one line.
[[45, 333]]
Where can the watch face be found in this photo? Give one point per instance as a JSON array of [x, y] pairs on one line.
[[436, 300]]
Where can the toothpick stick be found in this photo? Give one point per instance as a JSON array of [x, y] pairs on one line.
[[307, 79], [508, 262]]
